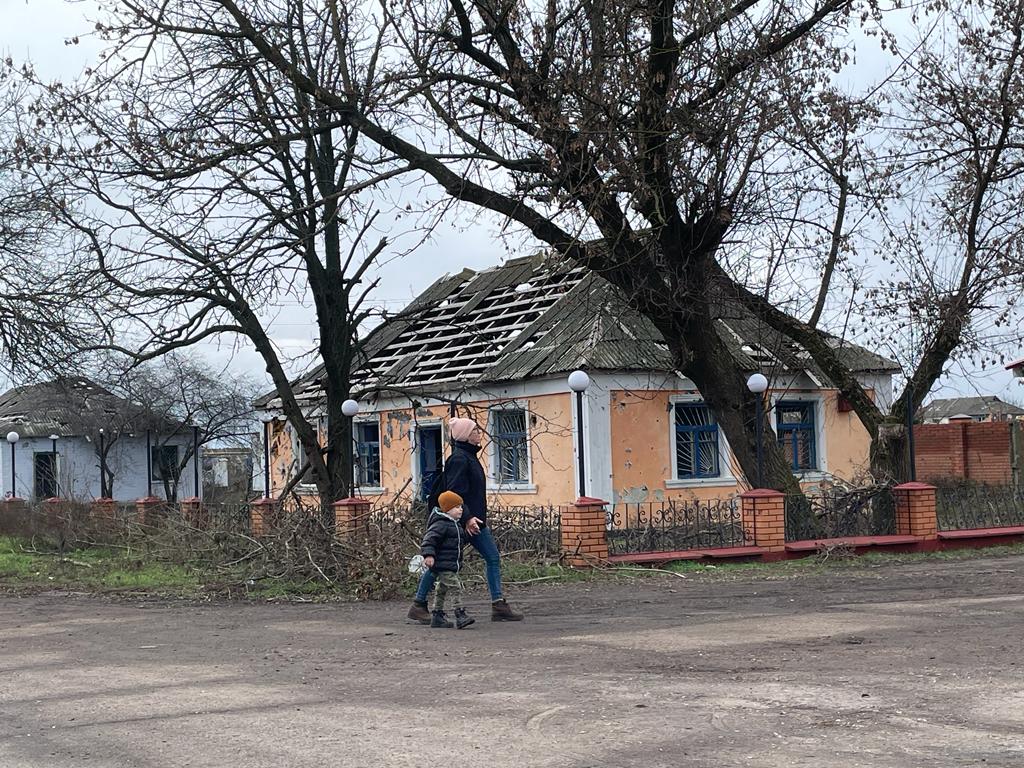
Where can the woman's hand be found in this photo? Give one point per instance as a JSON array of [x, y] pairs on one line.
[[428, 561], [473, 526]]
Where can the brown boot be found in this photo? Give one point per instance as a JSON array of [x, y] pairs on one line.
[[500, 611], [419, 613]]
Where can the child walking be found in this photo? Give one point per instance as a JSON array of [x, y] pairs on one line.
[[442, 554]]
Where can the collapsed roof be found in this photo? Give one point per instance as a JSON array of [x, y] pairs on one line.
[[531, 318]]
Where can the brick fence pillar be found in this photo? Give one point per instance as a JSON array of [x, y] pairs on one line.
[[194, 514], [264, 516], [915, 510], [103, 510], [763, 512], [348, 513], [148, 509], [584, 532]]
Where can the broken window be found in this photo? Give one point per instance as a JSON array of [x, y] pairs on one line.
[[511, 458], [696, 442], [368, 453]]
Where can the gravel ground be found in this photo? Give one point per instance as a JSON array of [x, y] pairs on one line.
[[890, 666]]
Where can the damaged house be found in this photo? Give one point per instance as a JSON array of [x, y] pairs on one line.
[[69, 431], [499, 344]]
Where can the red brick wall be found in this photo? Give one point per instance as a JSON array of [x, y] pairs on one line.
[[971, 450]]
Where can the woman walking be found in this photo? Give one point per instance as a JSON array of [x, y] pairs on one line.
[[463, 474]]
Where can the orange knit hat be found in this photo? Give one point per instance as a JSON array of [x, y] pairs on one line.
[[448, 501]]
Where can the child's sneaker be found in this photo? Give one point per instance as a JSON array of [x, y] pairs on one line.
[[461, 619], [439, 621]]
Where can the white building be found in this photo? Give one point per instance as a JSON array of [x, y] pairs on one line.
[[87, 420]]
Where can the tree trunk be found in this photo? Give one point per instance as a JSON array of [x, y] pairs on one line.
[[339, 445], [889, 458], [701, 355]]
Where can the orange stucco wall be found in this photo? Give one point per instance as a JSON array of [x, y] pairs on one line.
[[847, 442], [642, 457], [550, 445], [641, 449]]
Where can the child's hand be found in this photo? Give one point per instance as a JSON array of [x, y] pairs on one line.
[[428, 561]]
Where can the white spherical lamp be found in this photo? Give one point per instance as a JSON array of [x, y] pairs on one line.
[[350, 408], [578, 381], [758, 383], [13, 437]]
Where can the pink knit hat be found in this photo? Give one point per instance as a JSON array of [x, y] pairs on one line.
[[461, 429]]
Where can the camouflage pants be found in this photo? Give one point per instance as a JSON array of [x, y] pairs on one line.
[[448, 581]]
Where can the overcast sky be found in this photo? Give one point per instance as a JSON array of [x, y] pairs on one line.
[[37, 29]]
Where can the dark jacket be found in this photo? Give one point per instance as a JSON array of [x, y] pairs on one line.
[[464, 475], [443, 542]]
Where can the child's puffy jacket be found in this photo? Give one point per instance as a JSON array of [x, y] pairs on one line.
[[443, 542]]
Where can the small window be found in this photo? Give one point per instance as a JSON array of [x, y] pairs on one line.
[[368, 453], [45, 475], [696, 442], [795, 425], [165, 462], [511, 459]]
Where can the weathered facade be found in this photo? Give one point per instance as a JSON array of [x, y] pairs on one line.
[[498, 345]]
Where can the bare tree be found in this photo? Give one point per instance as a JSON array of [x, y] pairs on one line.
[[203, 188], [39, 328], [639, 123], [952, 266], [185, 401], [628, 137]]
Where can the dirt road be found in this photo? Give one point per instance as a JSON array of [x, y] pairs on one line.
[[905, 665]]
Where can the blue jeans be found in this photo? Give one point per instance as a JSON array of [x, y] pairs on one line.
[[483, 543]]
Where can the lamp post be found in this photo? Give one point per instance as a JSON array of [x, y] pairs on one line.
[[350, 408], [149, 464], [758, 385], [56, 484], [12, 438], [266, 458], [103, 466], [578, 383], [910, 436], [196, 461]]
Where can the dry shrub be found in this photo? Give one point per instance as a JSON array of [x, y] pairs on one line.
[[295, 549]]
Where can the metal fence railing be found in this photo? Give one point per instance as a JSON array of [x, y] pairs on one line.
[[841, 513], [674, 525], [227, 515], [526, 530], [970, 506]]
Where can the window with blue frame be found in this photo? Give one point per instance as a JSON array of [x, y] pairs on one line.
[[696, 442], [795, 425], [508, 432], [368, 453]]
